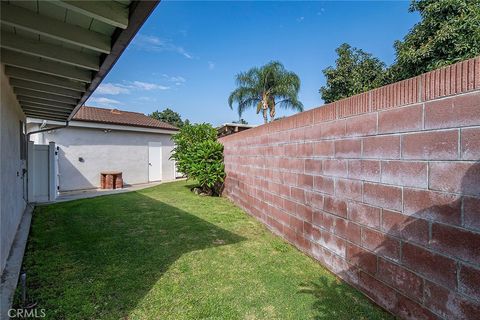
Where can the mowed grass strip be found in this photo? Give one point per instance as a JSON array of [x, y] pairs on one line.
[[166, 253]]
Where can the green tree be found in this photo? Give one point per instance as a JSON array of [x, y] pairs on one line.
[[355, 72], [449, 31], [266, 88], [169, 116], [240, 121], [199, 156]]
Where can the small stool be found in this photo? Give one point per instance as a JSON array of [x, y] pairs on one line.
[[111, 180]]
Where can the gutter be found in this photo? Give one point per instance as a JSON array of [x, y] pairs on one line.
[[46, 129]]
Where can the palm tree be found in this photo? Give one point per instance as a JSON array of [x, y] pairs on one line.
[[266, 88]]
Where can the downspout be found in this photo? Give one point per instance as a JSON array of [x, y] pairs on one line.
[[27, 137]]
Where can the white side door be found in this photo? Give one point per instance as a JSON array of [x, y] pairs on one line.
[[154, 161]]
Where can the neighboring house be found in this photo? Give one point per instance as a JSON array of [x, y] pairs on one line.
[[99, 139], [227, 129]]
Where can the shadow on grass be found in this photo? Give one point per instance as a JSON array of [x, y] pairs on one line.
[[97, 258], [330, 295], [190, 185], [193, 185]]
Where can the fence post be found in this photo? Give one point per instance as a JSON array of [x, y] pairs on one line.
[[30, 176], [52, 179]]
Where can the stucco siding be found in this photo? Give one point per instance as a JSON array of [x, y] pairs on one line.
[[85, 152], [12, 201]]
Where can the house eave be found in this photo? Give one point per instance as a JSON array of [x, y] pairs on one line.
[[103, 126], [53, 64], [139, 13]]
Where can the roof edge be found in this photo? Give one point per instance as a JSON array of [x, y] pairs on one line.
[[237, 125], [139, 12], [103, 125], [125, 124]]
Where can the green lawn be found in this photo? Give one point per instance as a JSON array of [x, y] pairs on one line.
[[166, 253]]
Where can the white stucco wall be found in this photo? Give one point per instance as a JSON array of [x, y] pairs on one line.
[[12, 203], [125, 151]]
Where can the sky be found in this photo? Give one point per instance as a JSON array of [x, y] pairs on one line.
[[187, 54]]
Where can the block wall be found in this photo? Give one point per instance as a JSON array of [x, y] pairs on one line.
[[382, 188]]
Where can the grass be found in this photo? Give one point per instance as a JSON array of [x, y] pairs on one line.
[[166, 253]]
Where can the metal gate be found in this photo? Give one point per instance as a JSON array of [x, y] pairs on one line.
[[42, 172]]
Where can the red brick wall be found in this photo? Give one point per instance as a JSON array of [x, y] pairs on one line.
[[382, 188]]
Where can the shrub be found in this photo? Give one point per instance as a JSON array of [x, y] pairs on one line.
[[199, 156]]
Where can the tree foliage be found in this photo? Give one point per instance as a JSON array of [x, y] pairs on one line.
[[169, 116], [355, 71], [240, 121], [266, 88], [199, 156], [449, 31]]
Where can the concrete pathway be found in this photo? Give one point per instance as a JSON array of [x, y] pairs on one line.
[[92, 193], [10, 275]]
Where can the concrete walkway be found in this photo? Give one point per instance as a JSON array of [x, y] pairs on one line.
[[92, 193], [10, 275]]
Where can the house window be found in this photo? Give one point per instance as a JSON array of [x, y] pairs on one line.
[[23, 143]]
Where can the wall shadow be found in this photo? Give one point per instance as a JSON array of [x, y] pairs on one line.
[[365, 268], [65, 165], [98, 258]]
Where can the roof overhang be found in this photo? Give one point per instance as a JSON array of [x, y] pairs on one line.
[[231, 128], [101, 126], [240, 125], [56, 53]]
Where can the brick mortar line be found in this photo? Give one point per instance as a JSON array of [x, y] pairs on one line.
[[347, 137], [356, 159], [349, 201], [324, 194], [449, 193], [297, 202]]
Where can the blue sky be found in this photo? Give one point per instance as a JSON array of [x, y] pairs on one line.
[[187, 53]]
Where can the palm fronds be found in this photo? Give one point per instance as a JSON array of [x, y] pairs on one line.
[[265, 88]]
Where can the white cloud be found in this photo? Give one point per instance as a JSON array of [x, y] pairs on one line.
[[148, 86], [153, 43], [322, 10], [300, 19], [113, 89], [211, 65], [103, 101], [146, 99], [176, 79]]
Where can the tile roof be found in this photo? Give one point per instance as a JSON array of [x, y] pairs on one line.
[[115, 116]]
